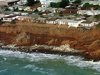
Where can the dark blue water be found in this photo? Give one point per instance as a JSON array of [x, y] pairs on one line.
[[17, 63]]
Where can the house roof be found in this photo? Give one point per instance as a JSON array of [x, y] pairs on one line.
[[9, 0], [89, 12], [72, 21], [3, 3], [2, 15], [86, 22]]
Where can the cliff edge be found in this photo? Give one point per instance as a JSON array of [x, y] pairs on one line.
[[27, 34]]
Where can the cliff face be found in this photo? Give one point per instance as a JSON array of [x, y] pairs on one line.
[[30, 34], [35, 34]]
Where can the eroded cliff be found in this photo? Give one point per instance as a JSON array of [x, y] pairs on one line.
[[42, 34]]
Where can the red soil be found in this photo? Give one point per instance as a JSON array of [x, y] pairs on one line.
[[30, 34]]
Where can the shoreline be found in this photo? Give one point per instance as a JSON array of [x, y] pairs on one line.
[[86, 42], [47, 50]]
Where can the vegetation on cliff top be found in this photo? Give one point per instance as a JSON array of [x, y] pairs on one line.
[[64, 3], [32, 2]]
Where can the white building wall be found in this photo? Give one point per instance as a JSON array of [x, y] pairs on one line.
[[89, 12], [46, 3], [9, 0], [95, 2]]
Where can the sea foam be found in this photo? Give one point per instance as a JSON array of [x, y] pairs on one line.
[[71, 60]]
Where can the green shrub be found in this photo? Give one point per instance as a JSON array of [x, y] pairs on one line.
[[98, 26]]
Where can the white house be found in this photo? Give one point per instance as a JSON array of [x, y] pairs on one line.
[[46, 3], [41, 20], [51, 22], [1, 16], [27, 9], [6, 2], [57, 21], [89, 12], [8, 19], [73, 23], [9, 0], [94, 2], [24, 18], [88, 24], [22, 2], [61, 21], [3, 3], [24, 14]]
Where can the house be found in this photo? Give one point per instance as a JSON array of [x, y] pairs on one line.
[[41, 20], [8, 2], [27, 9], [94, 2], [51, 21], [88, 24], [58, 10], [57, 21], [88, 12], [41, 9], [74, 23], [17, 13], [3, 3], [24, 14], [62, 21], [24, 18], [46, 3], [9, 18], [22, 2], [1, 16]]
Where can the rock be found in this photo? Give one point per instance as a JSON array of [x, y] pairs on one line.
[[65, 42], [22, 39], [63, 48], [95, 45], [94, 55], [50, 42]]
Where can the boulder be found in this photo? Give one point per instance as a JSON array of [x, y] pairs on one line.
[[22, 39], [94, 55], [95, 45]]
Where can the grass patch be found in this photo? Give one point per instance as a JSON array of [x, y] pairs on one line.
[[98, 26], [97, 17]]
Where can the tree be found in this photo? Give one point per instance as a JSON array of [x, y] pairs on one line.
[[77, 1], [7, 9], [96, 7], [61, 4], [55, 5], [16, 9], [64, 3], [32, 2], [86, 5]]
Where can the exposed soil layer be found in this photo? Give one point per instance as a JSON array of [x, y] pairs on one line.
[[27, 34]]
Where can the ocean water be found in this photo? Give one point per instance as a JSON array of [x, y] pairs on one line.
[[18, 63]]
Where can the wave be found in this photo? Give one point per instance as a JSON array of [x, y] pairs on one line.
[[71, 60], [38, 69], [3, 70], [30, 56], [79, 62]]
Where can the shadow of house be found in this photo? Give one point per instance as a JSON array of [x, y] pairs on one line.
[[12, 2]]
